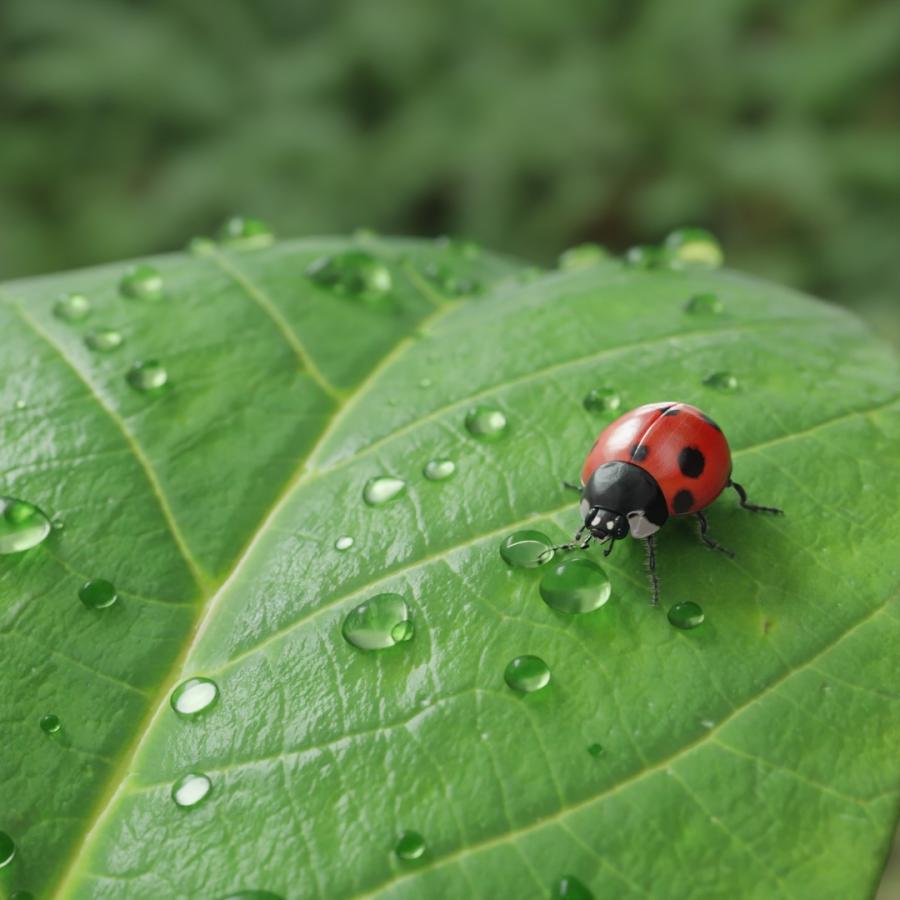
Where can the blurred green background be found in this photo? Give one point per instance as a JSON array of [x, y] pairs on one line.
[[128, 127]]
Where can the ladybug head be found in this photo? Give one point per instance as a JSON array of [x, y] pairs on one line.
[[606, 525]]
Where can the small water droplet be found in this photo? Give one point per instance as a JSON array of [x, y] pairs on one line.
[[98, 593], [644, 256], [686, 615], [56, 523], [147, 376], [191, 789], [7, 849], [411, 845], [595, 750], [721, 381], [380, 622], [450, 282], [201, 246], [72, 307], [141, 282], [694, 246], [425, 383], [194, 696], [20, 404], [50, 724], [487, 423], [601, 399], [352, 273], [582, 256], [22, 525], [244, 233], [464, 247], [570, 888], [344, 542], [576, 585], [382, 489], [439, 469], [527, 549], [103, 340], [704, 305], [707, 723], [527, 674]]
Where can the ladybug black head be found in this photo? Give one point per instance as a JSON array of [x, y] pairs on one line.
[[604, 524]]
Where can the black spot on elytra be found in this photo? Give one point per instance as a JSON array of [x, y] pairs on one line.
[[639, 452], [683, 501], [672, 411], [691, 462], [709, 421]]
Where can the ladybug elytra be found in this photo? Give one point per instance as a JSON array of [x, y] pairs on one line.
[[659, 460]]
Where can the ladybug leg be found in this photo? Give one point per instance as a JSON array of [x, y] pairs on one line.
[[710, 542], [650, 544], [572, 486], [753, 507]]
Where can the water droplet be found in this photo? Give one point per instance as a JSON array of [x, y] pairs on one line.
[[245, 233], [56, 523], [141, 282], [707, 723], [7, 849], [487, 423], [595, 750], [382, 489], [147, 376], [686, 615], [527, 674], [252, 895], [450, 282], [201, 246], [425, 383], [20, 404], [644, 256], [344, 542], [694, 246], [527, 549], [601, 399], [381, 621], [464, 247], [352, 273], [22, 525], [721, 381], [191, 789], [704, 304], [72, 307], [576, 585], [582, 257], [98, 593], [411, 845], [439, 469], [103, 340], [194, 696], [570, 888], [50, 724]]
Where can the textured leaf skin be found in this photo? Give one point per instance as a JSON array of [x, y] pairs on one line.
[[753, 757]]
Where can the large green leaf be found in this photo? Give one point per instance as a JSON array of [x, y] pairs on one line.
[[754, 756]]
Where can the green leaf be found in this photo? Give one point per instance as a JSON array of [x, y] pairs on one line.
[[753, 756]]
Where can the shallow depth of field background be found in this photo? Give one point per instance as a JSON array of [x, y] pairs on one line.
[[126, 128]]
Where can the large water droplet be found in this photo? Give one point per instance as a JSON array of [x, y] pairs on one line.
[[382, 489], [570, 888], [72, 307], [352, 273], [686, 615], [246, 233], [142, 282], [381, 622], [194, 696], [147, 376], [7, 849], [439, 469], [50, 723], [721, 381], [410, 845], [576, 585], [527, 674], [704, 305], [98, 593], [191, 789], [22, 525], [487, 423], [527, 549], [103, 340], [344, 542], [694, 246], [582, 257], [601, 399]]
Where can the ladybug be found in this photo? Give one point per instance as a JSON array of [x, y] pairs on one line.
[[659, 460]]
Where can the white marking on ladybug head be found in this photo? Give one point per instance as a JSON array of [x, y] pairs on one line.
[[639, 525], [609, 525]]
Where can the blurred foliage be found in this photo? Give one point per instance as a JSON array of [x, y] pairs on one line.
[[127, 127]]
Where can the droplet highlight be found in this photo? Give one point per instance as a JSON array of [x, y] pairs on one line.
[[141, 282], [694, 246], [487, 423], [353, 273], [527, 674], [526, 549], [72, 307], [721, 381], [148, 376], [201, 246], [22, 525], [7, 849], [245, 233], [194, 696], [380, 622], [686, 615], [104, 340], [570, 888], [50, 724], [410, 845], [98, 593], [439, 469], [704, 305], [601, 399], [583, 256], [576, 585], [344, 542], [382, 489], [191, 789]]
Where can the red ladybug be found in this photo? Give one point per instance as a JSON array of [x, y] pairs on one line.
[[659, 460]]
